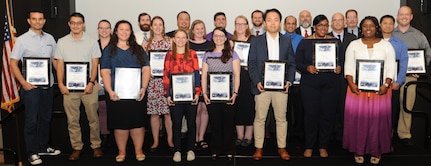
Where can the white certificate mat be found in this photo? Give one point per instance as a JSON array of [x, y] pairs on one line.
[[36, 71], [325, 56], [157, 62], [77, 75], [416, 64], [242, 49], [127, 82], [220, 86], [182, 87], [369, 74], [200, 55], [274, 74]]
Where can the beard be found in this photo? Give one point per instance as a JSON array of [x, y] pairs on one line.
[[257, 24], [305, 24], [145, 27]]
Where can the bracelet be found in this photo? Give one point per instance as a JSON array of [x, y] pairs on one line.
[[235, 93]]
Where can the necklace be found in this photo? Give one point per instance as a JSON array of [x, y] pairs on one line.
[[314, 37]]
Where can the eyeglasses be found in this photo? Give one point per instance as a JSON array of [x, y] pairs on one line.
[[322, 25], [241, 24], [76, 23], [218, 36]]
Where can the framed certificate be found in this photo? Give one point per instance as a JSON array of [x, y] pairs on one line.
[[36, 71], [76, 75], [369, 74], [297, 78], [325, 55], [220, 85], [99, 76], [273, 75], [242, 49], [200, 55], [416, 64], [182, 87], [157, 62], [127, 82]]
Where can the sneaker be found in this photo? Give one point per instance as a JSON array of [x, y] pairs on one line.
[[35, 159], [49, 152], [190, 155], [177, 157]]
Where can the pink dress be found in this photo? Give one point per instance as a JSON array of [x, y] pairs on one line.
[[157, 104]]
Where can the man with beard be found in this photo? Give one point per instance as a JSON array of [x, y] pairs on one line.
[[144, 20], [183, 22], [257, 20], [352, 22], [305, 28]]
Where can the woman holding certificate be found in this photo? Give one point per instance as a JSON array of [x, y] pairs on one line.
[[181, 83], [126, 93], [156, 104], [224, 63], [244, 116], [369, 70], [320, 61]]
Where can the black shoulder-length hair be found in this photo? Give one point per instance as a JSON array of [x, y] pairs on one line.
[[137, 50], [375, 22], [227, 50]]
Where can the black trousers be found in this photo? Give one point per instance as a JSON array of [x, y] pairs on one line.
[[177, 112], [223, 136]]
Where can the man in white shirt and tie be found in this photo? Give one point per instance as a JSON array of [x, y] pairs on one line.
[[257, 20], [352, 22], [144, 21], [305, 29]]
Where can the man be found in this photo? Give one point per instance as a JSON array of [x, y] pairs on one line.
[[79, 47], [270, 46], [257, 20], [305, 29], [38, 100], [337, 26], [294, 104], [352, 22], [387, 24], [219, 21], [183, 22], [144, 21], [414, 39]]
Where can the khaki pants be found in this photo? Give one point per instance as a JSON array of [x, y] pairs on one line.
[[405, 120], [71, 105], [279, 103]]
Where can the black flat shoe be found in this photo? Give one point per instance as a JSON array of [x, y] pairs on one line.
[[171, 148], [214, 156], [152, 150], [229, 156]]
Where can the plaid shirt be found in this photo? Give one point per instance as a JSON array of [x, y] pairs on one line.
[[179, 65]]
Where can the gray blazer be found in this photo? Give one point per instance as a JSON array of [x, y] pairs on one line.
[[258, 54]]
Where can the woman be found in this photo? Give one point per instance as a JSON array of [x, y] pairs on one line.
[[182, 60], [244, 116], [319, 89], [221, 58], [104, 30], [156, 104], [367, 117], [198, 42], [125, 116]]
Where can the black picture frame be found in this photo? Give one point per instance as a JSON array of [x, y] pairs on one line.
[[320, 66], [41, 77], [368, 84], [273, 78], [417, 62], [75, 77], [186, 91], [225, 92]]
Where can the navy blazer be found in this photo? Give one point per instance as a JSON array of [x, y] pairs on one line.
[[258, 54]]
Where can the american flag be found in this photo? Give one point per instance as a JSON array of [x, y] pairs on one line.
[[10, 93]]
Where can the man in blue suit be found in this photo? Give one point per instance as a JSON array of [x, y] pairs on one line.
[[270, 46]]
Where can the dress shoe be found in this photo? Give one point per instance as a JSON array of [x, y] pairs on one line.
[[283, 154], [323, 153], [308, 153], [120, 158], [75, 155], [97, 153], [152, 150], [359, 159], [140, 157], [258, 154]]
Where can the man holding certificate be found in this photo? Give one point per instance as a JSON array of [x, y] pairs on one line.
[[276, 48], [35, 48], [78, 56], [369, 69]]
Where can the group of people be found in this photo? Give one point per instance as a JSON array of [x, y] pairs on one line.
[[324, 102]]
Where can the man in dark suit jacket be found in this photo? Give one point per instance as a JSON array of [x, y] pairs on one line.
[[304, 24], [338, 31], [270, 46]]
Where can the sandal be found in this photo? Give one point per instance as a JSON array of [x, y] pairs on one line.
[[203, 144], [375, 160], [359, 159]]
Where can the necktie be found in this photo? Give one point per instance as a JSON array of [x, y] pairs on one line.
[[339, 37], [257, 33], [306, 33], [351, 32], [145, 36]]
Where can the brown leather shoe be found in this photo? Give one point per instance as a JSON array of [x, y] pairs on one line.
[[75, 155], [258, 154], [97, 153], [283, 154]]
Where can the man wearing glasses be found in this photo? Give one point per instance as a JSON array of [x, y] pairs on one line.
[[79, 47]]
